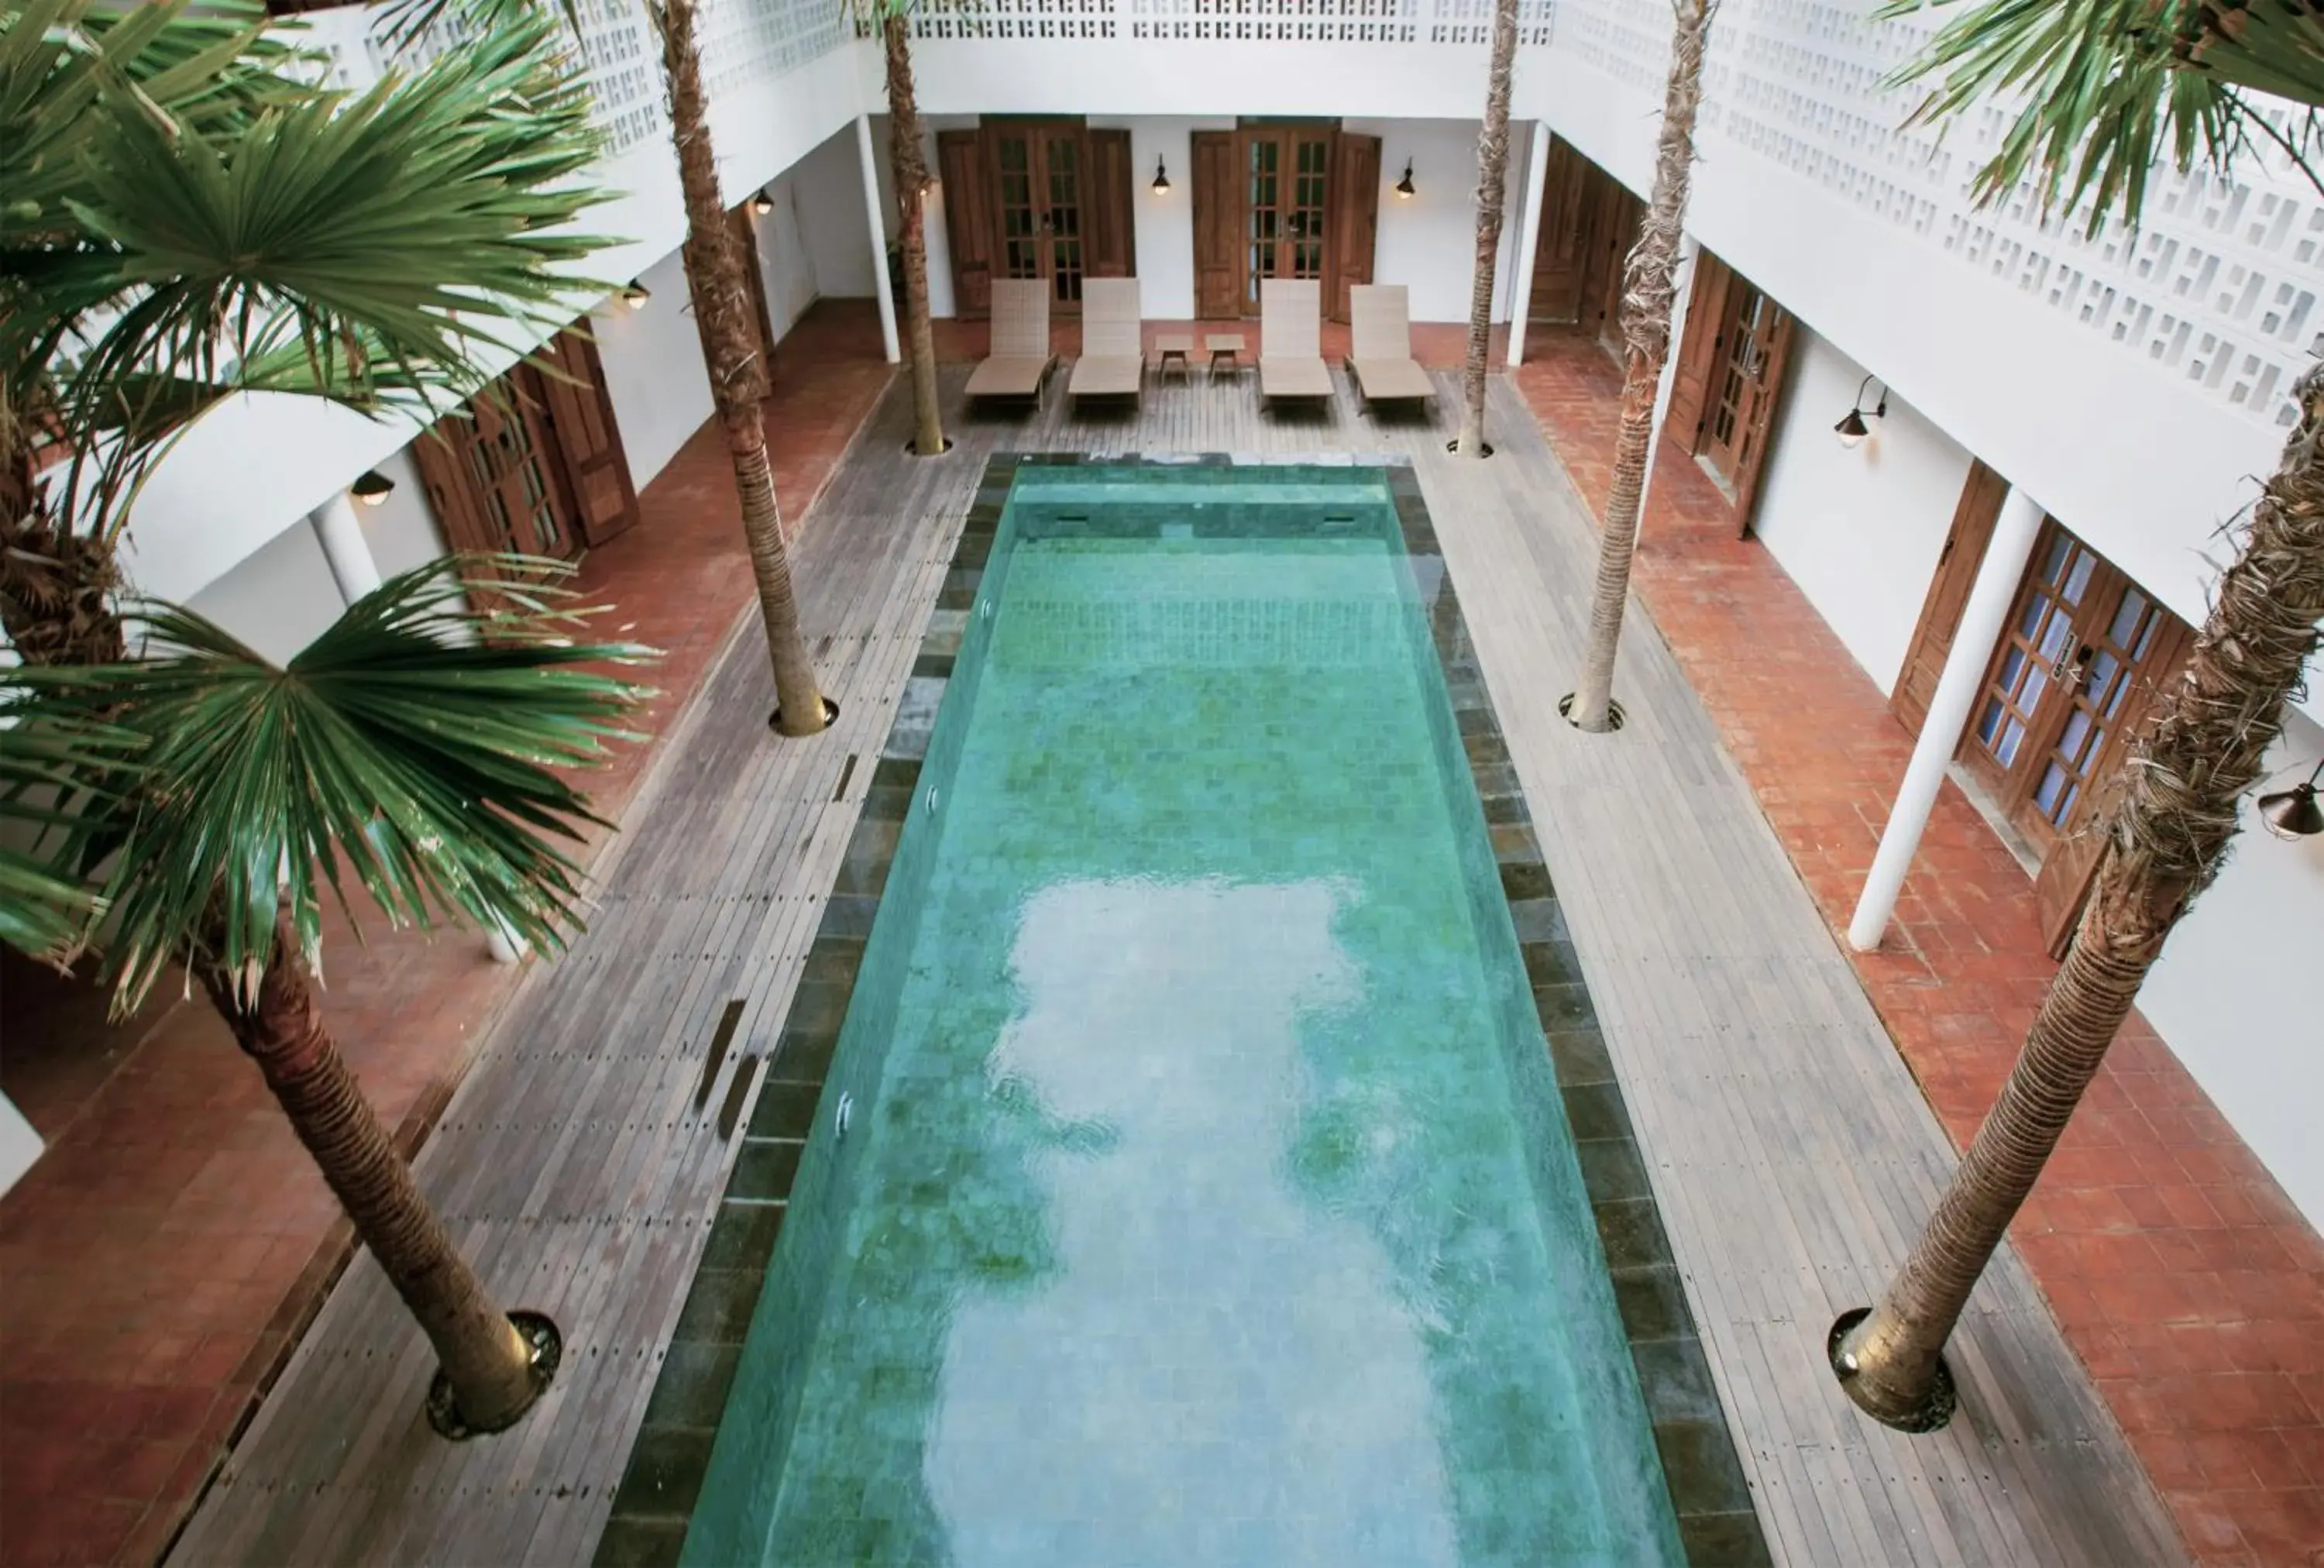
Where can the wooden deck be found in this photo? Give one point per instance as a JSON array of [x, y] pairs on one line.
[[1793, 1156]]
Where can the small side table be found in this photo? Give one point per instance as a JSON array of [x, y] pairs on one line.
[[1177, 349], [1225, 347]]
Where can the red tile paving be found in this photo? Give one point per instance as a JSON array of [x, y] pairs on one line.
[[171, 1244], [2183, 1277]]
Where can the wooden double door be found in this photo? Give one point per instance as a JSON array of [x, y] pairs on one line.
[[1035, 198], [2077, 673], [536, 465], [1588, 222], [1729, 380], [1282, 200]]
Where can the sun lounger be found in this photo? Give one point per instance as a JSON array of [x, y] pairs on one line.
[[1380, 360], [1112, 362], [1290, 339], [1021, 357]]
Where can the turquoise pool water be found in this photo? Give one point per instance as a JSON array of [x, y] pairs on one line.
[[1205, 1199]]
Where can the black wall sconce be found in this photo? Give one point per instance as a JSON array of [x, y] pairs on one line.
[[1403, 188], [2294, 813], [762, 203], [1851, 427], [371, 487], [1161, 179], [635, 295]]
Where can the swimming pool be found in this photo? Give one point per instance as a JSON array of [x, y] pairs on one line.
[[1206, 1194]]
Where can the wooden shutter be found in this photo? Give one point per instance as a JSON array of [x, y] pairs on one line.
[[1218, 258], [1775, 359], [589, 440], [1354, 215], [1561, 249], [1974, 516], [1698, 349], [441, 455], [1614, 219], [1111, 206], [968, 222]]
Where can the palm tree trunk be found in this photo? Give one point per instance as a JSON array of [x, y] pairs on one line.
[[56, 585], [1492, 187], [1649, 285], [911, 173], [2165, 842], [738, 381], [484, 1357]]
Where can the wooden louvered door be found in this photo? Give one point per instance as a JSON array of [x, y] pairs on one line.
[[1615, 216], [1217, 212], [1111, 206], [1561, 248], [1354, 217], [1747, 384], [496, 476], [588, 441], [968, 221], [1974, 515]]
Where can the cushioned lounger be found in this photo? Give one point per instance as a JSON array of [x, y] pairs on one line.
[[1290, 339], [1021, 357], [1380, 360], [1112, 362]]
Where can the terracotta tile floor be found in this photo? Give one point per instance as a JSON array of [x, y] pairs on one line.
[[172, 1242], [2182, 1276]]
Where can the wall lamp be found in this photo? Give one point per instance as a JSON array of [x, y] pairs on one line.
[[762, 203], [1404, 188], [636, 295], [2294, 813], [371, 487], [1161, 179], [1851, 427]]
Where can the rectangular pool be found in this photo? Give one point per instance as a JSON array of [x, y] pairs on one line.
[[1205, 1196]]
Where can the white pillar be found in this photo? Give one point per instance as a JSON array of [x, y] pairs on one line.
[[879, 237], [1990, 598], [345, 547], [1528, 240]]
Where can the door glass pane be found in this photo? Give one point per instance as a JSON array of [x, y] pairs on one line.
[[2124, 629], [2011, 738], [2079, 581]]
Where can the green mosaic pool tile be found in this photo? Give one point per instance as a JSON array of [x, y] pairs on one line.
[[639, 1542], [765, 1168], [743, 1234], [804, 1054], [691, 1387], [1653, 1302], [959, 590], [848, 915], [972, 551], [916, 720], [1503, 804], [817, 1007], [1700, 1458], [896, 773], [1674, 1380], [1631, 1231], [871, 854], [1581, 1057], [1550, 961], [832, 960], [932, 667], [1498, 780], [1524, 880]]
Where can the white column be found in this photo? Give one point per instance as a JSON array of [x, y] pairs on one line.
[[1528, 239], [879, 237], [1990, 599], [345, 547], [20, 1144]]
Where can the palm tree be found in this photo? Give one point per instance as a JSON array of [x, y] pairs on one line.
[[722, 307], [1649, 287], [909, 161], [1492, 184], [186, 220], [2103, 90], [410, 745], [42, 913]]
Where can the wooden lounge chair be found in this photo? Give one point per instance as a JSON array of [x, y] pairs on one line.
[[1021, 357], [1112, 362], [1379, 358], [1290, 339]]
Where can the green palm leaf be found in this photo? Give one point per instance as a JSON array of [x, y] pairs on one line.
[[2105, 92], [45, 770], [413, 748]]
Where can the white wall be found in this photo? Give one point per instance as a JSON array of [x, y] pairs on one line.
[[1429, 241], [654, 370], [2235, 993], [279, 598], [784, 264], [1165, 223], [401, 530], [830, 184], [1859, 529]]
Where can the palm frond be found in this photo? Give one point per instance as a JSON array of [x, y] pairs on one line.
[[412, 747], [51, 773], [2104, 97]]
